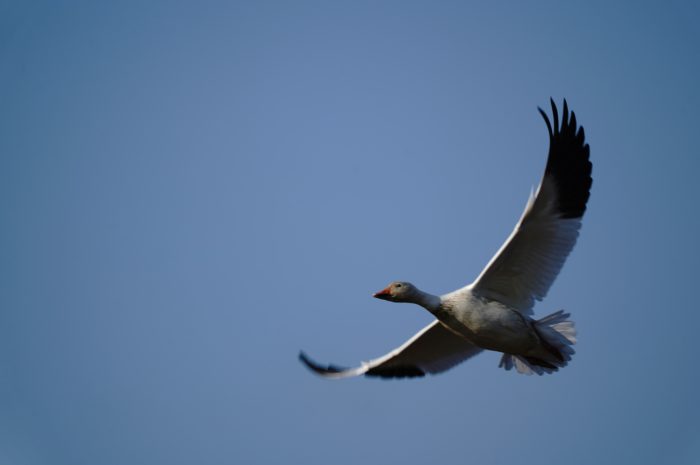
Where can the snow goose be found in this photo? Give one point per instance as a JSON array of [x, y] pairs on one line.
[[495, 311]]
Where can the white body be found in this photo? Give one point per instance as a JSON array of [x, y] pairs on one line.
[[486, 323]]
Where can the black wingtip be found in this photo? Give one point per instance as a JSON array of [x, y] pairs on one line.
[[317, 368], [568, 164], [404, 371]]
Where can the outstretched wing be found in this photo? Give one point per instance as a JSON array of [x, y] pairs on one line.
[[433, 350], [526, 265]]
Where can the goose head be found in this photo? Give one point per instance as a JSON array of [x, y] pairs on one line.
[[398, 291]]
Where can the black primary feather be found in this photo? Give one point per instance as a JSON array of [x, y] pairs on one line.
[[568, 164]]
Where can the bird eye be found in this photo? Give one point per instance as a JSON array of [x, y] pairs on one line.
[[398, 284]]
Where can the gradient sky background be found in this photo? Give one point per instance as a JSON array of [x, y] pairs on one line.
[[192, 192]]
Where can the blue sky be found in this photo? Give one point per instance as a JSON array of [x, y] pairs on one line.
[[190, 193]]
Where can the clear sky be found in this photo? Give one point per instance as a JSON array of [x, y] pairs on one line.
[[192, 192]]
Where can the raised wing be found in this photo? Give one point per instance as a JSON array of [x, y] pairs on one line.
[[433, 350], [526, 265]]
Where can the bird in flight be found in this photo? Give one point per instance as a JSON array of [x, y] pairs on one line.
[[495, 311]]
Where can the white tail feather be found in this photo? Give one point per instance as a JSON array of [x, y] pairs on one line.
[[558, 333]]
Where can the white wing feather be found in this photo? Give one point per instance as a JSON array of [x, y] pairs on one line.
[[529, 261], [433, 349]]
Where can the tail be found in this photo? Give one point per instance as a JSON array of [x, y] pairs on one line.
[[557, 335]]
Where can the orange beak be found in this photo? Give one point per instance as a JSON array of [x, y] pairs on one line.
[[384, 294]]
